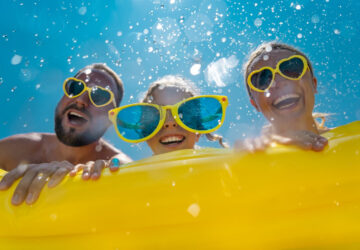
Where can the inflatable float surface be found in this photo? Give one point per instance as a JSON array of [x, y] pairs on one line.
[[283, 198]]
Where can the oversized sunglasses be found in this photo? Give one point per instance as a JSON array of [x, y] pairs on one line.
[[98, 96], [292, 68], [139, 122]]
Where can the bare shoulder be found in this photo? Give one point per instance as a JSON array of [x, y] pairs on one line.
[[21, 147], [108, 151]]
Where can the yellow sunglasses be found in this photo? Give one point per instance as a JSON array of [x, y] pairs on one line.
[[141, 121], [98, 96], [292, 68]]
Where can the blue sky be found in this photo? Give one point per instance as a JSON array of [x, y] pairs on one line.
[[207, 41]]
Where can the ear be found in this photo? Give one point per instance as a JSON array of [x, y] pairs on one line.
[[315, 84], [254, 104]]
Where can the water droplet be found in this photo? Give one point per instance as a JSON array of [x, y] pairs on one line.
[[119, 33], [173, 184], [53, 217], [315, 19], [268, 48], [194, 210], [150, 49], [265, 57], [82, 10], [298, 7], [337, 32], [299, 35], [195, 69], [258, 22], [16, 59]]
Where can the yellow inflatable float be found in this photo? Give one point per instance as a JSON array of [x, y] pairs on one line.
[[284, 198]]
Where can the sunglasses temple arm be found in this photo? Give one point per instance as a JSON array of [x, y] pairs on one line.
[[113, 101]]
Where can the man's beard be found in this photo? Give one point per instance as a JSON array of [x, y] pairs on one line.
[[76, 139]]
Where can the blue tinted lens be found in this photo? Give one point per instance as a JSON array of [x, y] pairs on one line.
[[99, 96], [292, 68], [262, 79], [74, 88], [137, 122], [201, 114]]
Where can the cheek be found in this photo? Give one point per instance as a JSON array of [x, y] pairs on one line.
[[262, 101], [192, 139], [152, 142]]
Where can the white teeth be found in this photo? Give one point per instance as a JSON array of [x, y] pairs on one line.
[[282, 98], [172, 139], [77, 114]]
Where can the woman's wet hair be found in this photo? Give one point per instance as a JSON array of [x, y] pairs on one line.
[[108, 70], [188, 87], [266, 48]]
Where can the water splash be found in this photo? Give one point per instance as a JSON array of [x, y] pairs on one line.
[[221, 71]]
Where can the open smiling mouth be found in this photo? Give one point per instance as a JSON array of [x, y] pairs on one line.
[[76, 118], [172, 140], [286, 101]]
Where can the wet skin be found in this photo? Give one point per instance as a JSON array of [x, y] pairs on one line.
[[171, 137], [80, 121], [287, 104]]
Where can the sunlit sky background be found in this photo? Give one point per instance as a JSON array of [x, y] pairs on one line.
[[207, 41]]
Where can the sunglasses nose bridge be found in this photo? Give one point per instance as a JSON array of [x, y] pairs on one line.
[[83, 99], [169, 120]]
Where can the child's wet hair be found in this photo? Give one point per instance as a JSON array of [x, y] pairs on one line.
[[171, 81], [188, 87], [265, 48]]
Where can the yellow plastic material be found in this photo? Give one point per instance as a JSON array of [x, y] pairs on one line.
[[284, 198]]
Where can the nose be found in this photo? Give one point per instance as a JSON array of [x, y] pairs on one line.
[[169, 121], [82, 100], [278, 81]]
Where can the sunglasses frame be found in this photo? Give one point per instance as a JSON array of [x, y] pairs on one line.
[[86, 88], [277, 70], [223, 100]]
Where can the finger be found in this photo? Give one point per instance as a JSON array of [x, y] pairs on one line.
[[57, 177], [98, 167], [87, 171], [319, 144], [37, 185], [12, 176], [114, 164], [76, 169], [259, 144], [21, 190]]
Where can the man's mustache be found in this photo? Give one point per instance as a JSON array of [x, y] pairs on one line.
[[74, 106]]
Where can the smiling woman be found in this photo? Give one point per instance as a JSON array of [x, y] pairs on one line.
[[282, 86]]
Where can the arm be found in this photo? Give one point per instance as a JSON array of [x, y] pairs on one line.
[[17, 149], [304, 139]]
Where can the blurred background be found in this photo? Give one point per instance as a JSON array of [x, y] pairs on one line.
[[206, 41]]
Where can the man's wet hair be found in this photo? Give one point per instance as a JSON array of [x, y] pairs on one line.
[[107, 69]]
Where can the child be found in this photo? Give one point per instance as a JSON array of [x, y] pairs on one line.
[[170, 117]]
